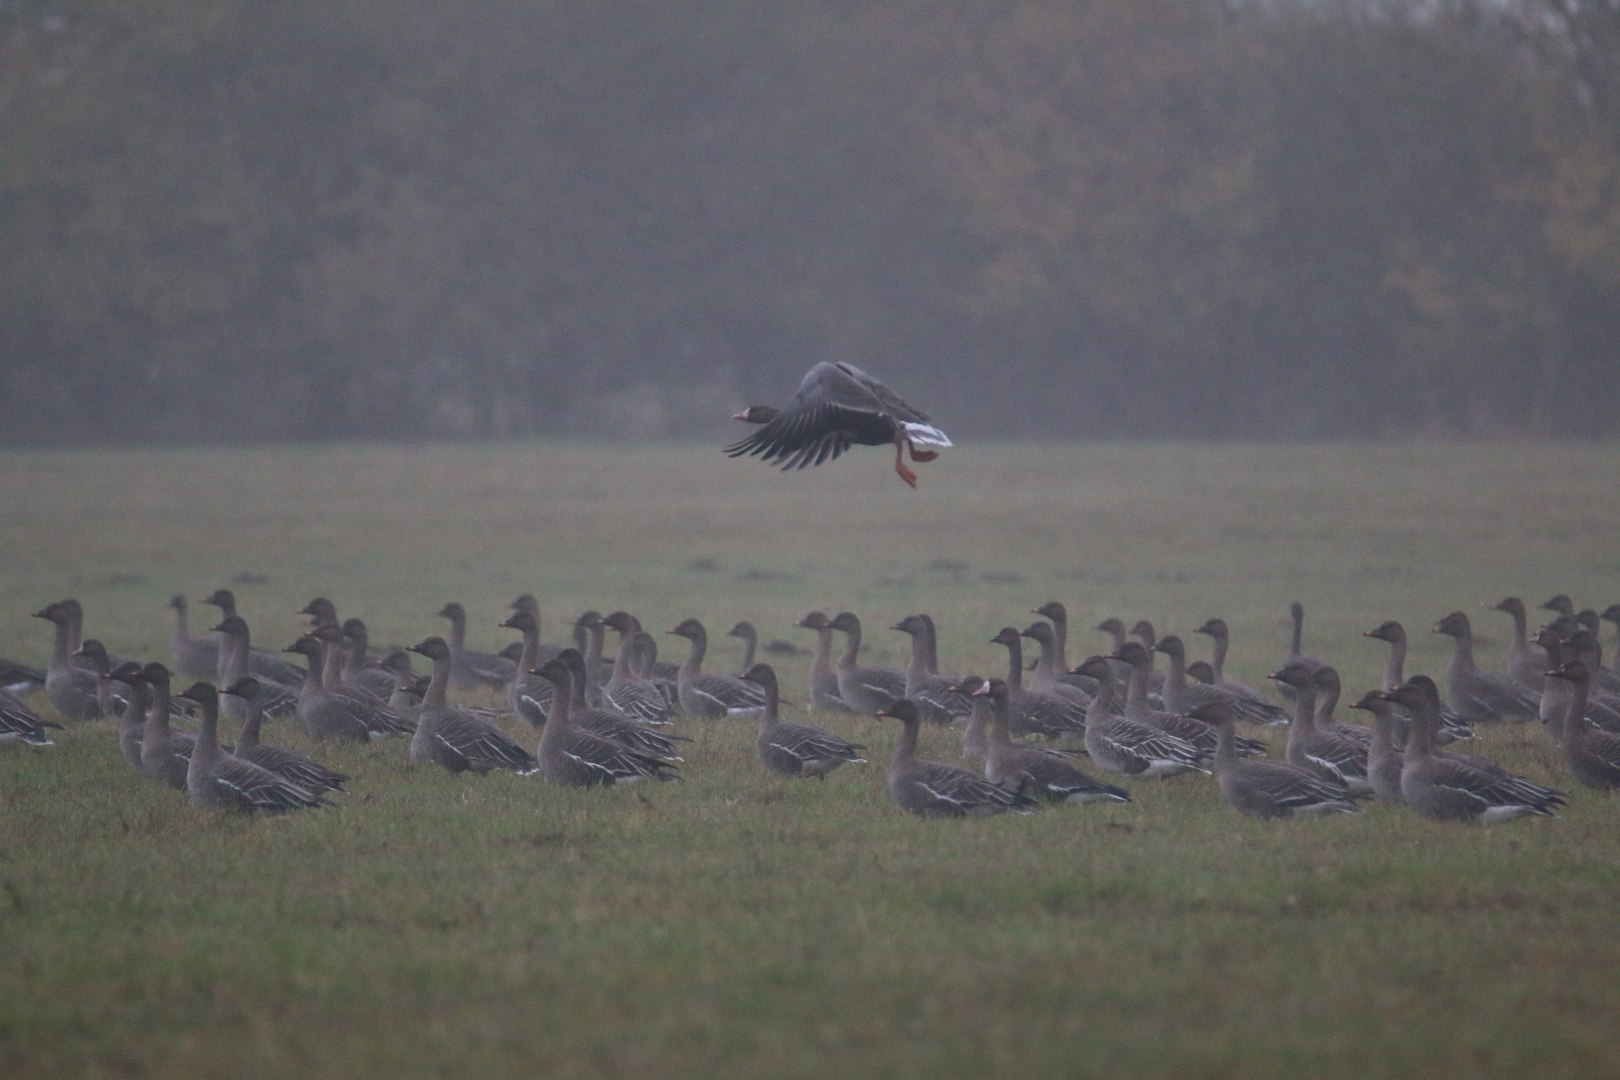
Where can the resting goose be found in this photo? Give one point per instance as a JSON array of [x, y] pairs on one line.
[[1336, 759], [359, 669], [1527, 664], [1124, 746], [1033, 770], [472, 668], [71, 689], [935, 789], [627, 692], [1452, 727], [132, 725], [864, 688], [1383, 753], [1221, 634], [710, 696], [936, 701], [1444, 789], [576, 758], [750, 639], [1592, 755], [976, 732], [1058, 615], [220, 781], [1480, 696], [823, 694], [19, 722], [235, 653], [261, 664], [325, 715], [610, 724], [1267, 788], [1328, 689], [456, 738], [1182, 697], [1296, 655], [288, 764], [165, 753], [1043, 678], [1187, 728], [91, 655], [791, 750], [528, 695], [195, 657], [19, 677], [838, 406]]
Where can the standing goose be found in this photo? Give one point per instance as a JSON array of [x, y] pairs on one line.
[[864, 688], [1124, 746], [261, 664], [1044, 677], [91, 655], [1592, 756], [72, 690], [1032, 712], [936, 701], [289, 764], [1193, 731], [528, 605], [1221, 634], [1444, 789], [471, 668], [1267, 788], [1560, 604], [132, 725], [576, 758], [838, 406], [1200, 671], [1328, 689], [528, 695], [1480, 696], [976, 733], [611, 725], [1033, 770], [456, 738], [194, 657], [1058, 616], [644, 661], [1296, 654], [750, 639], [792, 750], [1527, 665], [221, 781], [1383, 754], [823, 694], [235, 654], [1602, 705], [165, 753], [636, 697], [1452, 727], [359, 669], [1335, 758], [935, 789], [1181, 697], [709, 696]]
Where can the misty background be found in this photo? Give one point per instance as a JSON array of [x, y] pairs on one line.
[[302, 219]]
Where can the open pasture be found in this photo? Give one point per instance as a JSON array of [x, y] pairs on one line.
[[734, 926]]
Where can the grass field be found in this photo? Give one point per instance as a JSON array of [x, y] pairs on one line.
[[734, 926]]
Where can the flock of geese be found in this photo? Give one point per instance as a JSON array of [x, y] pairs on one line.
[[1024, 737]]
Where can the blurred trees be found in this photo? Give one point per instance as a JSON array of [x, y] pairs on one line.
[[287, 219]]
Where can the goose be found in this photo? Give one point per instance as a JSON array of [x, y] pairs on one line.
[[864, 688], [626, 692], [935, 789], [1560, 604], [1058, 615], [1181, 697], [528, 695], [1333, 757], [976, 732], [18, 677], [20, 723], [91, 656], [1480, 696], [576, 758], [1452, 727], [1296, 655], [1592, 756], [612, 725], [1221, 635], [1115, 629], [710, 696], [823, 694], [332, 639], [1202, 671], [220, 781], [1447, 790], [288, 764], [1526, 663], [791, 750], [1032, 770], [936, 701], [750, 639], [1044, 676], [194, 657], [358, 668], [1602, 704], [71, 690], [1124, 746], [838, 406], [456, 738], [1328, 689], [326, 715], [132, 725], [1267, 788], [321, 612], [261, 664], [235, 655], [646, 665], [1190, 730], [472, 668], [165, 753], [1383, 753], [544, 651], [1029, 711]]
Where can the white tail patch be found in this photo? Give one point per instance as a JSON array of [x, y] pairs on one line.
[[926, 435]]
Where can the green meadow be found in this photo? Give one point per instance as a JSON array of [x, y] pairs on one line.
[[735, 926]]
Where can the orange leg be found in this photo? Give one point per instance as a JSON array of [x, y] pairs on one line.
[[899, 461]]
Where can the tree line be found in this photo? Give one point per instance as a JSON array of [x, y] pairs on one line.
[[291, 220]]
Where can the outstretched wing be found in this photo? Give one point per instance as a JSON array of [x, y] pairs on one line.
[[835, 408]]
